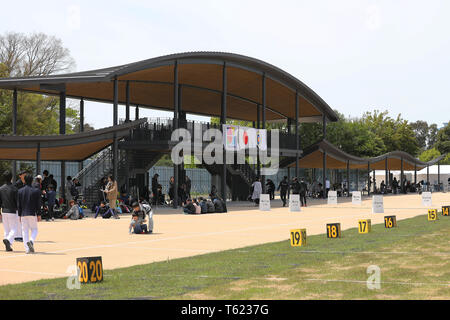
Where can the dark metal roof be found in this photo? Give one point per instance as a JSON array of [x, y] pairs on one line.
[[71, 147], [240, 61], [376, 163]]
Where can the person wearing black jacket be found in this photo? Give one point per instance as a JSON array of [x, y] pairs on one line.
[[20, 183], [283, 188], [28, 206], [270, 189], [8, 204], [189, 207], [295, 186], [303, 190]]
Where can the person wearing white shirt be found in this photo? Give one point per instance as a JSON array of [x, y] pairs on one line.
[[257, 190]]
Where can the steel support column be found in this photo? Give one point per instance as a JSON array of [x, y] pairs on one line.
[[368, 178], [136, 113], [439, 176], [38, 159], [127, 102], [297, 141], [115, 123], [386, 174], [80, 167], [223, 120], [348, 178], [415, 174], [402, 176], [324, 174], [263, 119], [62, 130], [176, 112], [357, 179], [428, 177], [14, 131], [258, 126]]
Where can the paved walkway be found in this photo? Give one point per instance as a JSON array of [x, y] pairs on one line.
[[177, 235]]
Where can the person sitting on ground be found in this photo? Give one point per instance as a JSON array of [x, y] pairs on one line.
[[136, 225], [218, 206], [189, 207], [103, 210], [74, 211], [143, 211], [210, 206], [203, 205], [198, 209]]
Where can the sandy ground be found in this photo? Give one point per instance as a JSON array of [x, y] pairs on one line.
[[177, 235]]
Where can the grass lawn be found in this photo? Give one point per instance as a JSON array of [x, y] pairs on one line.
[[413, 258]]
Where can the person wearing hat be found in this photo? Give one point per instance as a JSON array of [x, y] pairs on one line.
[[38, 182]]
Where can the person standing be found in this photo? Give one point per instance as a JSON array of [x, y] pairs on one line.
[[295, 186], [270, 189], [68, 191], [303, 191], [327, 187], [28, 205], [20, 183], [111, 194], [51, 200], [257, 190], [45, 180], [188, 184], [8, 204], [155, 193], [283, 188]]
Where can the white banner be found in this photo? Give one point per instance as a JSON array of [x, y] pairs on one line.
[[230, 137], [332, 197], [294, 203], [261, 139], [264, 202], [236, 138], [356, 198], [427, 199], [377, 204]]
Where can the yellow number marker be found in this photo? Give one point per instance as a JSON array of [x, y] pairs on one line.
[[334, 230], [445, 211], [364, 226], [432, 215], [90, 270], [298, 237], [390, 222]]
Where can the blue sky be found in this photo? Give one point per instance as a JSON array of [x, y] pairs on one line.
[[357, 55]]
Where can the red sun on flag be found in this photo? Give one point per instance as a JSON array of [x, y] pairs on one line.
[[245, 138]]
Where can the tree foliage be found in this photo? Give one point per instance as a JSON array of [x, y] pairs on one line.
[[443, 139]]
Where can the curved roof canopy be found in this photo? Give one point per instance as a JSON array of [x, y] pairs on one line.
[[72, 147], [337, 159], [200, 75]]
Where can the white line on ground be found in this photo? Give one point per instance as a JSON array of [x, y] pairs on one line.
[[185, 237], [34, 272]]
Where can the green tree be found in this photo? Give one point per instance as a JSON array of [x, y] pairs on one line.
[[443, 139], [429, 155]]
